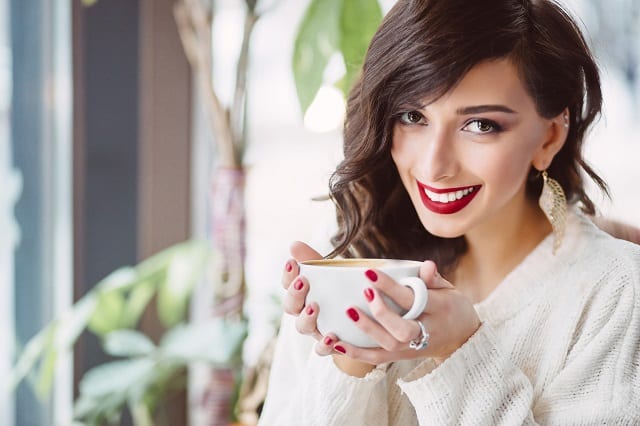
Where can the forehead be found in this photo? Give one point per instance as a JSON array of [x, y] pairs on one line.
[[490, 82]]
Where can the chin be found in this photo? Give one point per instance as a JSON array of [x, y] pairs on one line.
[[442, 231]]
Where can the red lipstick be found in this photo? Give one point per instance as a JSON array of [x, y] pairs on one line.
[[449, 207]]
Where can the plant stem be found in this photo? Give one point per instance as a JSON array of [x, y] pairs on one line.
[[141, 415], [238, 107]]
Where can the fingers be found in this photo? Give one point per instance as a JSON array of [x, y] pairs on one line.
[[372, 356], [401, 295], [430, 275], [390, 330], [307, 320], [294, 301], [325, 345], [301, 252], [290, 272], [295, 296]]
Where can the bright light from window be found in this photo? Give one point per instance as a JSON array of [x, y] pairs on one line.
[[326, 112]]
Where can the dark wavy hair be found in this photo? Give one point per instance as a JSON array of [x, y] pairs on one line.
[[422, 49]]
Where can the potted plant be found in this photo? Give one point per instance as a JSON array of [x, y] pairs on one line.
[[145, 373]]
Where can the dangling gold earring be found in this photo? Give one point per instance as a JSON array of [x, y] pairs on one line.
[[553, 203]]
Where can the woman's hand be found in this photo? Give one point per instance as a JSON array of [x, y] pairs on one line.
[[307, 314], [297, 288], [449, 318]]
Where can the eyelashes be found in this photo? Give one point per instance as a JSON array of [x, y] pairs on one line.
[[411, 117], [479, 126], [482, 126]]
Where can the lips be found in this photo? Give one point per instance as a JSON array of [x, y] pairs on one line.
[[447, 200]]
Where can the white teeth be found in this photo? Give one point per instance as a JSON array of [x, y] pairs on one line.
[[447, 197]]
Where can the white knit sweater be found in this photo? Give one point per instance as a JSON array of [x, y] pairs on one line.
[[559, 344]]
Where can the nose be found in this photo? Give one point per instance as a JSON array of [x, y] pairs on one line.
[[438, 160]]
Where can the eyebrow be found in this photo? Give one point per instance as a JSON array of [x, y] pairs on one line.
[[484, 108]]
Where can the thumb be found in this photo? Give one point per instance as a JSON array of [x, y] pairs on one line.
[[301, 252], [429, 274]]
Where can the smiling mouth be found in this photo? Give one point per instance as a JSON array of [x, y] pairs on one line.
[[449, 200]]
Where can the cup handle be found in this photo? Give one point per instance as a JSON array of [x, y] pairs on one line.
[[420, 296]]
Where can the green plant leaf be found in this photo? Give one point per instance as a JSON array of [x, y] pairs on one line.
[[97, 411], [127, 343], [59, 336], [216, 341], [73, 323], [155, 266], [33, 350], [141, 415], [136, 303], [120, 279], [155, 388], [47, 370], [185, 268], [108, 313], [115, 377], [317, 40], [359, 21]]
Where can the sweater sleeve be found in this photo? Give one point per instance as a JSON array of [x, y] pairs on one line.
[[597, 381], [600, 379], [308, 389], [476, 385]]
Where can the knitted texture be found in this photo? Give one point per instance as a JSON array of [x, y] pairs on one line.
[[559, 344]]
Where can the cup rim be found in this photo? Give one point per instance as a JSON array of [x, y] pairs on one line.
[[353, 262]]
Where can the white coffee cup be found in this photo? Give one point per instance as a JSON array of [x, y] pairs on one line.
[[338, 284]]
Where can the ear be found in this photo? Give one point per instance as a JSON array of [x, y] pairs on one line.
[[554, 140]]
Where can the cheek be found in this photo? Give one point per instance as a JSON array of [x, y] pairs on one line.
[[399, 154], [506, 168]]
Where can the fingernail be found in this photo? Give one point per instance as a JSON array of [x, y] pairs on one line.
[[298, 284], [340, 349], [288, 267], [353, 314], [328, 340], [371, 275], [309, 310], [368, 293]]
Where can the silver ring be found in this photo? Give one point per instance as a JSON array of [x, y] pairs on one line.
[[421, 341]]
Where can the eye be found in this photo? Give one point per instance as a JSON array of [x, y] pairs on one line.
[[482, 126], [412, 117]]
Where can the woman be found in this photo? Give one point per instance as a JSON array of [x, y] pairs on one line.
[[462, 140]]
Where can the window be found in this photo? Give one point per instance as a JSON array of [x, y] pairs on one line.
[[35, 201]]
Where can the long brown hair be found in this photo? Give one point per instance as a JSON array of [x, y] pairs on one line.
[[423, 48]]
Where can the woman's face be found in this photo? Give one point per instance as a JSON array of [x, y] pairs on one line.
[[464, 159]]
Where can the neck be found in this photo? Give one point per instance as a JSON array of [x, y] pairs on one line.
[[497, 247]]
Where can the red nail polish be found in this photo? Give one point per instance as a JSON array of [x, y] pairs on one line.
[[340, 349], [288, 267], [368, 293], [328, 340], [309, 310], [371, 275], [298, 284], [353, 314]]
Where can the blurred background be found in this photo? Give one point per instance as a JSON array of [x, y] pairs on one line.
[[108, 156]]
